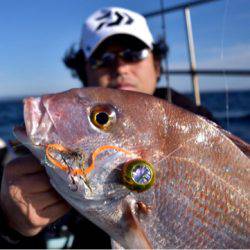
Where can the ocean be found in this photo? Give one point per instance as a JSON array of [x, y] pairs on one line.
[[237, 121]]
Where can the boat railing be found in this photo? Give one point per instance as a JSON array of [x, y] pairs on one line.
[[193, 71]]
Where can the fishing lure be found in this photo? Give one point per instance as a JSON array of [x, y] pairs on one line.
[[138, 175]]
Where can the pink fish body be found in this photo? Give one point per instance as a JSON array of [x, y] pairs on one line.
[[200, 197]]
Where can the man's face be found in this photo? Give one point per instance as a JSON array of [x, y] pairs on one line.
[[140, 75]]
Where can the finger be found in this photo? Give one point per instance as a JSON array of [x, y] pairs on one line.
[[33, 183], [54, 212], [45, 199], [24, 165], [27, 230]]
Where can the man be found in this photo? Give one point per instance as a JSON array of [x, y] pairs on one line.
[[118, 51]]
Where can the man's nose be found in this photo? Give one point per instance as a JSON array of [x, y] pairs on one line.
[[121, 66]]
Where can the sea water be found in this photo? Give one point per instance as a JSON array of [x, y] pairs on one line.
[[237, 122]]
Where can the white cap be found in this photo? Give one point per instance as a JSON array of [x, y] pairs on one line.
[[111, 21]]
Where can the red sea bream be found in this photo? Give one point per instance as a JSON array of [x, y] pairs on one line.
[[150, 174]]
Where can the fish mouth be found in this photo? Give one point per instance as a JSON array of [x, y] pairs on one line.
[[67, 159], [20, 134], [20, 129]]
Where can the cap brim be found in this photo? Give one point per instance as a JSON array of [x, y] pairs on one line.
[[101, 41]]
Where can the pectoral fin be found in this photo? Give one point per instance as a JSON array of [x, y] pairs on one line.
[[135, 236], [116, 245]]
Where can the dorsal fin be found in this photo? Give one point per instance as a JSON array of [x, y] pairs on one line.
[[242, 145]]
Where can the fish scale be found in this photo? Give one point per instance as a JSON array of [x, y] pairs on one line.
[[195, 232], [201, 194]]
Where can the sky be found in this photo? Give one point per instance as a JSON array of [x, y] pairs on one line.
[[34, 36]]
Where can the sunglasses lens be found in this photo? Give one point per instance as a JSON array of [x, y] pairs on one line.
[[108, 58], [104, 61], [134, 56]]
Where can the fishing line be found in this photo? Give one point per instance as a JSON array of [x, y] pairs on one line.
[[165, 61], [222, 59]]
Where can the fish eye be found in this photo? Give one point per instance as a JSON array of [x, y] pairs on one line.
[[138, 175], [103, 117]]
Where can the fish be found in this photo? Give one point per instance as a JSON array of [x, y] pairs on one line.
[[149, 173]]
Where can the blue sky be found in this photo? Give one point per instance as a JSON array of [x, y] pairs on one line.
[[34, 35]]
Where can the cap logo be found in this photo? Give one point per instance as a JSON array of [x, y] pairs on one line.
[[118, 18]]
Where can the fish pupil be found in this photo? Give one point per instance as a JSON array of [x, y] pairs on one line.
[[102, 118]]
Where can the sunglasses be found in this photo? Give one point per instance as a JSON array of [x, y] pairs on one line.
[[108, 59]]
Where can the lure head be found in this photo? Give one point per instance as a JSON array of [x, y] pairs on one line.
[[138, 175]]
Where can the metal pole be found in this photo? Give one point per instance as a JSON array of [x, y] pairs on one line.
[[177, 7], [165, 61], [211, 72], [192, 60]]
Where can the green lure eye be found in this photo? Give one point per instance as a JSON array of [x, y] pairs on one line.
[[138, 175]]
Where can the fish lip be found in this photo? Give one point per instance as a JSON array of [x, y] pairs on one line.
[[21, 135], [20, 132]]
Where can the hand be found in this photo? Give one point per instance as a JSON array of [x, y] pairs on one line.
[[28, 200]]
